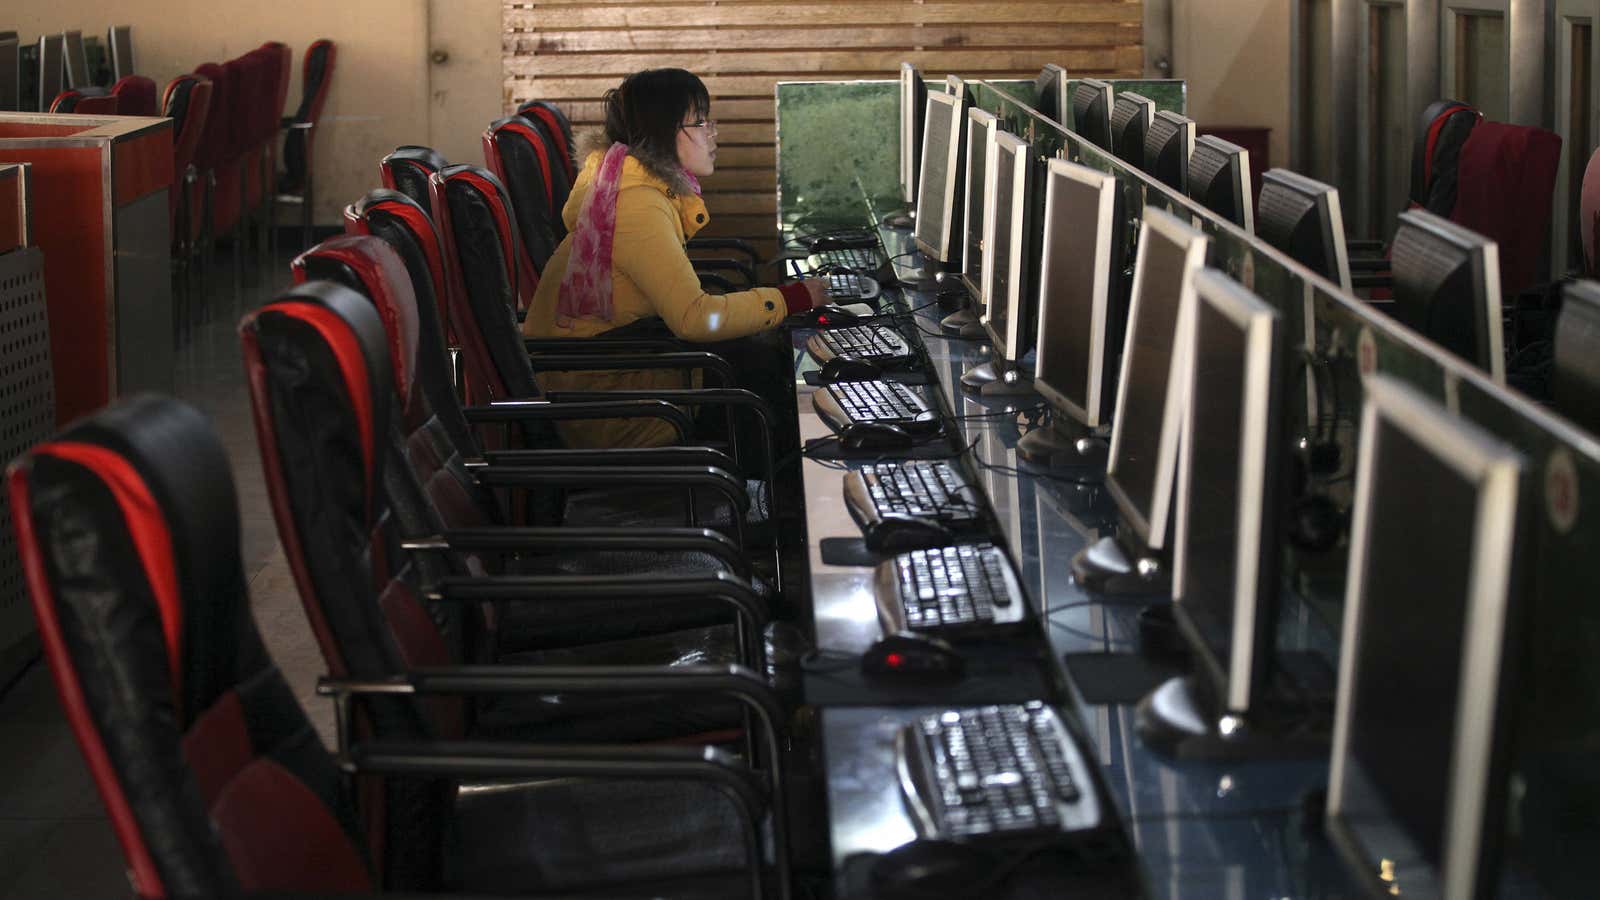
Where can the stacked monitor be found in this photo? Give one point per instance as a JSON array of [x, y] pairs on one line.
[[913, 105], [120, 39], [10, 73], [1050, 90], [981, 128], [1144, 437], [1091, 111], [1009, 278], [1167, 145], [1219, 178], [1447, 286], [1080, 318], [1417, 788], [76, 60], [1301, 217], [1575, 382], [1131, 116], [939, 214], [49, 84], [1230, 497]]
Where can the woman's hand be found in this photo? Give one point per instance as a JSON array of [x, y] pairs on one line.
[[818, 288]]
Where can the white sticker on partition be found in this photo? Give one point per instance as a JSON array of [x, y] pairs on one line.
[[1366, 352], [1561, 490]]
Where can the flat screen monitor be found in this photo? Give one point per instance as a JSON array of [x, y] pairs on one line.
[[913, 106], [120, 39], [1010, 315], [1050, 90], [1575, 381], [1078, 328], [1131, 115], [1447, 286], [981, 127], [10, 75], [49, 70], [1225, 588], [1167, 145], [76, 59], [1219, 180], [1412, 799], [943, 157], [1091, 111], [956, 87], [1301, 217], [1144, 431]]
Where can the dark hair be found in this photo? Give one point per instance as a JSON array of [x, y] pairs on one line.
[[646, 110]]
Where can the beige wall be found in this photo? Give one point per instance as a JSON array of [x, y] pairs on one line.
[[384, 90], [1235, 56]]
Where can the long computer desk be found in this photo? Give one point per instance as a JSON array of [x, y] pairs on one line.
[[1196, 829]]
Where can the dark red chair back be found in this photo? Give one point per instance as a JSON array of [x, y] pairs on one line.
[[84, 102], [136, 96], [187, 102], [316, 78], [128, 530], [407, 228]]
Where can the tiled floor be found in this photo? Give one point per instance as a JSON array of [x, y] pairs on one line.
[[55, 841]]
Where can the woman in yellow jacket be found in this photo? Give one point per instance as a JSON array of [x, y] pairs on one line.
[[635, 204]]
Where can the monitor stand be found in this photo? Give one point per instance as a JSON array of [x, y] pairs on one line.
[[957, 322], [899, 221], [1107, 567], [1177, 720], [1064, 444], [996, 378]]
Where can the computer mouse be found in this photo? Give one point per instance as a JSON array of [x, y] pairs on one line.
[[925, 869], [912, 657], [849, 368], [899, 532], [874, 436], [833, 314]]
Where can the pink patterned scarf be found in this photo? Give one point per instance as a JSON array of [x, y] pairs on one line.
[[586, 286]]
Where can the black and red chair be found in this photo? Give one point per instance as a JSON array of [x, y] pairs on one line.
[[210, 154], [187, 102], [218, 787], [559, 126], [408, 169], [524, 162], [481, 199], [298, 183], [136, 96], [85, 101]]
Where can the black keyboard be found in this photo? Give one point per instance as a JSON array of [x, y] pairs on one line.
[[881, 345], [845, 402], [932, 489], [990, 773], [862, 260], [961, 590], [848, 287]]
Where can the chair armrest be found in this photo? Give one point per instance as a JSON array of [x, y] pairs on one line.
[[1383, 280], [622, 408], [735, 244], [600, 345], [683, 359], [512, 540], [610, 456], [709, 280], [717, 264], [591, 476]]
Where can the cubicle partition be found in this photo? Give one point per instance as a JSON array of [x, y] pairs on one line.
[[1204, 829], [100, 210]]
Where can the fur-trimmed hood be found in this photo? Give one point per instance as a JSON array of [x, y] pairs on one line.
[[668, 171]]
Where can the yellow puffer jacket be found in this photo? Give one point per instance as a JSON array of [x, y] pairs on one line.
[[651, 276]]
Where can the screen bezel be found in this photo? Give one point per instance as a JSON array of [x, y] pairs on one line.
[[1152, 530], [1483, 261], [910, 78], [1105, 187], [1018, 183], [1496, 470], [953, 150], [991, 125], [1238, 676]]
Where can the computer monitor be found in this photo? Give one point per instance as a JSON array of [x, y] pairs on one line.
[[981, 128], [119, 38], [1131, 115], [943, 158], [1416, 791], [1050, 90], [1447, 286], [1575, 381], [955, 86], [49, 70], [1219, 179], [1167, 144], [1011, 318], [10, 75], [1091, 111], [1225, 571], [1080, 319], [1143, 459], [1301, 217], [76, 59], [913, 105]]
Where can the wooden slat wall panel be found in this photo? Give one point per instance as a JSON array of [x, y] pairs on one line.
[[572, 51]]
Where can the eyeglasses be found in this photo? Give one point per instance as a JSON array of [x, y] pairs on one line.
[[710, 125]]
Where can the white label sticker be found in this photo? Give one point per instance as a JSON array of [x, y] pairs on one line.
[[1366, 352], [1561, 490]]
